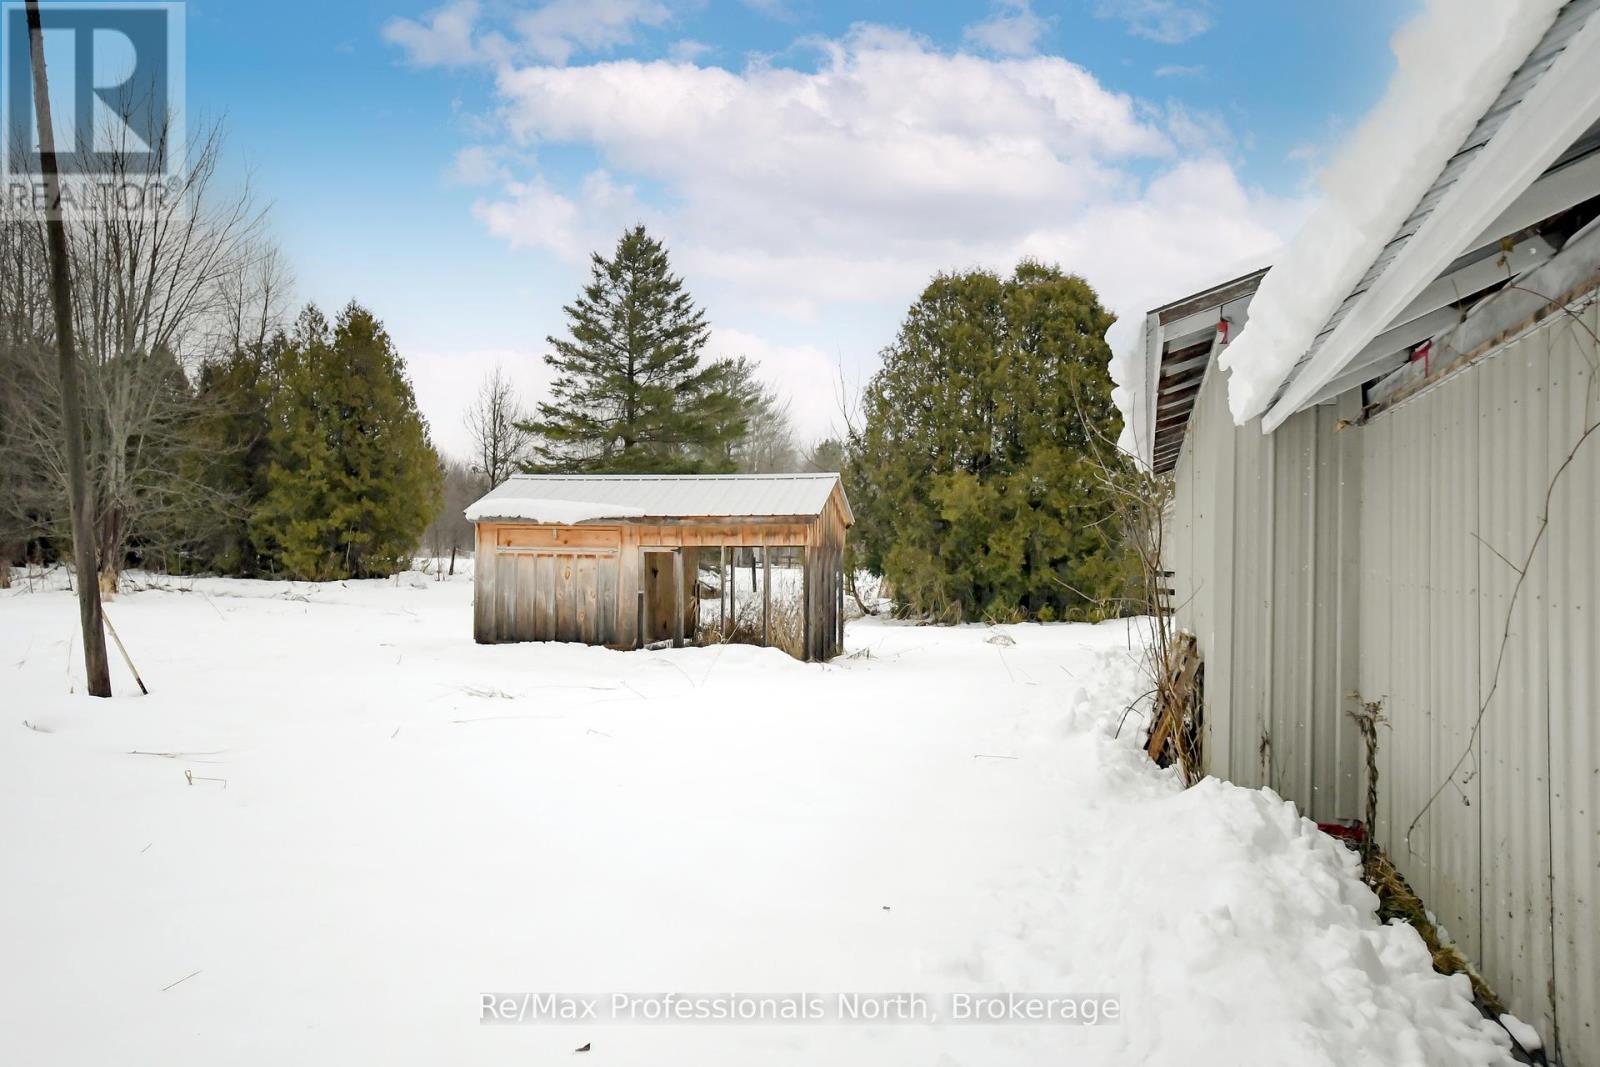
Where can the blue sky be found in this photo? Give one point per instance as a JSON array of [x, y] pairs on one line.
[[810, 164]]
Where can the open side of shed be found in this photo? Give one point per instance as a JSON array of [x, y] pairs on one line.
[[627, 561]]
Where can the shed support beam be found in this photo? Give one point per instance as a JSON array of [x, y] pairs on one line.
[[677, 598], [766, 596]]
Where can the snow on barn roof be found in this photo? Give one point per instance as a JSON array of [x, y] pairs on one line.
[[1487, 97], [566, 499]]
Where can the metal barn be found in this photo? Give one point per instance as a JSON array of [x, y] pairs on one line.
[[1414, 521], [627, 561]]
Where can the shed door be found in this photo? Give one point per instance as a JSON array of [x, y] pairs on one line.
[[559, 596]]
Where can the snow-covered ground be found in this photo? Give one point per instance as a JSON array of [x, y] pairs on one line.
[[336, 823]]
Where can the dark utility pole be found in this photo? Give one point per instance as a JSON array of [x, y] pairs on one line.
[[82, 502]]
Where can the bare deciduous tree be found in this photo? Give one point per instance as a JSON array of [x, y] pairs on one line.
[[500, 445], [156, 290], [80, 499], [450, 533], [768, 445]]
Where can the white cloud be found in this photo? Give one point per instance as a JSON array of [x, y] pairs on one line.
[[531, 214], [1198, 130], [778, 9], [443, 39], [807, 207], [1013, 29], [553, 32], [688, 50], [479, 165], [1166, 21], [562, 27], [1180, 70]]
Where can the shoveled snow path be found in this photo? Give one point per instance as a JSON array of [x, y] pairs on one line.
[[409, 820]]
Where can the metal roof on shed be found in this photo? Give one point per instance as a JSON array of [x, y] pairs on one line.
[[662, 496]]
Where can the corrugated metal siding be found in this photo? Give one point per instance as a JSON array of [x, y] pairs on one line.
[[1292, 696], [1513, 420], [1252, 634], [1508, 853], [1573, 563], [1314, 562], [1268, 599]]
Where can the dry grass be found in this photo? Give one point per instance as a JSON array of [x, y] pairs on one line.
[[787, 622], [1397, 900]]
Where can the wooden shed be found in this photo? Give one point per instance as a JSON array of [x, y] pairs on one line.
[[627, 561]]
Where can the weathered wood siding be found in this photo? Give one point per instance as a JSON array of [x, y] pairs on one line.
[[547, 583], [540, 582]]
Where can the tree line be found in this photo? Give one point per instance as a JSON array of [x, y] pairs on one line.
[[981, 462], [217, 438], [222, 438]]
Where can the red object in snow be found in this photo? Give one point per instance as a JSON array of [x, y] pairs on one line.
[[1352, 833]]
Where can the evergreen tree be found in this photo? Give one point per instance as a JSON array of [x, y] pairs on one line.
[[228, 461], [354, 480], [827, 456], [973, 476], [631, 392], [751, 424]]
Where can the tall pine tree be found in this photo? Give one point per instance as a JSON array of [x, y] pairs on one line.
[[632, 393], [354, 480]]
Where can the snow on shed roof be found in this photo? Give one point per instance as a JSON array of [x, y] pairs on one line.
[[565, 499], [1486, 96]]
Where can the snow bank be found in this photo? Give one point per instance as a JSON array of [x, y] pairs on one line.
[[539, 509], [1452, 60], [386, 820]]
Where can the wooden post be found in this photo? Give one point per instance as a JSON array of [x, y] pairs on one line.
[[677, 598], [807, 591], [125, 657], [722, 591], [839, 611], [766, 595], [85, 558], [638, 635]]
